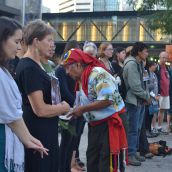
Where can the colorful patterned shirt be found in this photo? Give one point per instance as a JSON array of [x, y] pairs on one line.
[[101, 86]]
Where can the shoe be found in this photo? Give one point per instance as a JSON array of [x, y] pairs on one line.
[[159, 129], [151, 135], [76, 168], [79, 162], [148, 155], [170, 128], [162, 131], [133, 161], [140, 158], [155, 131], [165, 132]]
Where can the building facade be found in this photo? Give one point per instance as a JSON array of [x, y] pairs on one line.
[[10, 8], [115, 26], [121, 28], [14, 8], [87, 5], [125, 6], [105, 5], [75, 6]]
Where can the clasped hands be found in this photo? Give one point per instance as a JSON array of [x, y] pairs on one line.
[[76, 112]]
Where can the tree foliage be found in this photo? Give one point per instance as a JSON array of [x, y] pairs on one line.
[[161, 19]]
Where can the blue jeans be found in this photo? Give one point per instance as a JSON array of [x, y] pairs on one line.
[[136, 115]]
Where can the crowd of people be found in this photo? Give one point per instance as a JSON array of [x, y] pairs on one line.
[[120, 94]]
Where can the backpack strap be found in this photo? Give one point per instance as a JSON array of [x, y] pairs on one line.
[[123, 87], [133, 61], [138, 68]]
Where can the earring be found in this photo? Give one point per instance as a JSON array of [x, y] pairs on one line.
[[37, 51]]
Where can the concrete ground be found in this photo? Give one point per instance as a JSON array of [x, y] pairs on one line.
[[156, 164]]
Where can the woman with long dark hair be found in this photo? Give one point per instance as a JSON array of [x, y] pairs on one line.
[[12, 126]]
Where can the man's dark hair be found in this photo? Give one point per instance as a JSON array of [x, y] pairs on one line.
[[138, 47], [71, 44]]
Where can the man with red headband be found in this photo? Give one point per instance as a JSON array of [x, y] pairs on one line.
[[100, 103]]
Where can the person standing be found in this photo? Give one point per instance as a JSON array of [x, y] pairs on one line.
[[151, 118], [100, 102], [12, 127], [169, 129], [118, 64], [135, 99], [40, 115], [163, 89]]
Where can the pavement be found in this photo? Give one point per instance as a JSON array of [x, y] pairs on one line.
[[156, 164]]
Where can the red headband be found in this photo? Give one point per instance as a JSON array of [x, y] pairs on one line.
[[77, 55]]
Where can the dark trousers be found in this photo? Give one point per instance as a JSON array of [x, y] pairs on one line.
[[148, 121], [70, 143], [136, 115], [143, 141], [66, 151], [98, 152], [80, 123]]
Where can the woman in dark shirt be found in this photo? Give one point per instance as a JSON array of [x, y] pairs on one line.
[[117, 64], [35, 86]]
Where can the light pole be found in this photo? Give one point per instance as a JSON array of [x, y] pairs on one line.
[[23, 11], [31, 10]]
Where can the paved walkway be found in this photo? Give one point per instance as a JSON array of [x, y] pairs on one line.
[[156, 164]]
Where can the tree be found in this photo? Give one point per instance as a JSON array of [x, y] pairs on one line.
[[161, 18]]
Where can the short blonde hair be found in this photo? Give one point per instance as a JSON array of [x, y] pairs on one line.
[[36, 29]]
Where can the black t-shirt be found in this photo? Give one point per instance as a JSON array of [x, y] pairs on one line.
[[30, 78], [117, 69]]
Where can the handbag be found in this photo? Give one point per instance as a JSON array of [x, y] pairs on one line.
[[153, 108]]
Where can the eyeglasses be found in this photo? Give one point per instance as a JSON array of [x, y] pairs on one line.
[[109, 49]]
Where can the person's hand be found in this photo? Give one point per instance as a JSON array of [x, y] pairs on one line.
[[157, 98], [35, 144], [148, 102], [77, 112], [65, 107], [118, 80], [115, 75]]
